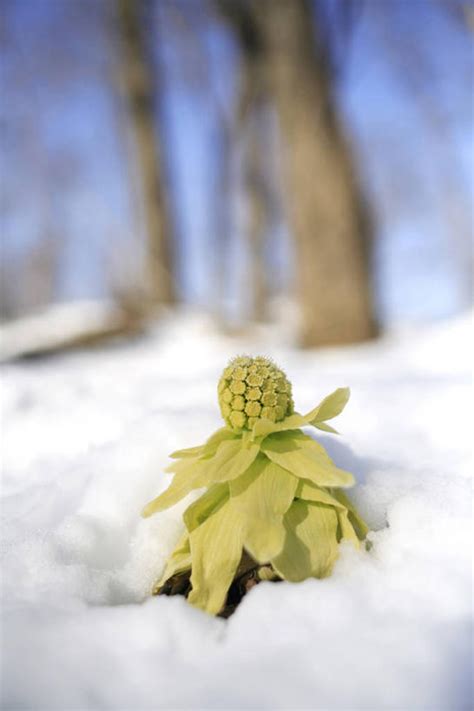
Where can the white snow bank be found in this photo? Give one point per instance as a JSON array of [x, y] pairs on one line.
[[86, 438], [59, 326]]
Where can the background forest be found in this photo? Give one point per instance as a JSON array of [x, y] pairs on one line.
[[304, 162]]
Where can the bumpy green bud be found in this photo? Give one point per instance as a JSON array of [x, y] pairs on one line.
[[238, 403], [251, 388]]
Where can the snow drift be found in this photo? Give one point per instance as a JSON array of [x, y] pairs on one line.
[[86, 438]]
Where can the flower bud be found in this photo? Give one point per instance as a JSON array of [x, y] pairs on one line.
[[251, 388]]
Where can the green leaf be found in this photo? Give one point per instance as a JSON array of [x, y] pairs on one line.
[[221, 435], [347, 531], [305, 458], [208, 449], [267, 573], [262, 495], [180, 465], [309, 492], [185, 453], [325, 427], [179, 561], [207, 504], [311, 547], [231, 459], [330, 407], [190, 474], [264, 427], [216, 549], [358, 523]]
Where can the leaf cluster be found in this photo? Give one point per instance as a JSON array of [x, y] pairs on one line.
[[272, 492]]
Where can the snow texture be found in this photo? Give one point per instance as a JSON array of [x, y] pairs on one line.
[[86, 438]]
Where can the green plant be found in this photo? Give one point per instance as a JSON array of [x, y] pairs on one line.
[[271, 490]]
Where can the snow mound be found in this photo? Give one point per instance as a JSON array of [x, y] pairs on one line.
[[86, 439]]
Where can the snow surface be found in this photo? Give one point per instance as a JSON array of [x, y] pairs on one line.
[[52, 327], [85, 440]]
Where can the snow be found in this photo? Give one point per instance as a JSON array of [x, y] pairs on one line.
[[56, 326], [85, 439]]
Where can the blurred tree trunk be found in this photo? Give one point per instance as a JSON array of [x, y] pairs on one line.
[[39, 273], [221, 213], [137, 77], [327, 216], [249, 127], [256, 282]]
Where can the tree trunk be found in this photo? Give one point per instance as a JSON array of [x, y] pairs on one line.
[[136, 78], [326, 213], [251, 126]]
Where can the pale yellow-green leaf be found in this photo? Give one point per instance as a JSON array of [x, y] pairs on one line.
[[347, 530], [305, 458], [231, 459], [180, 465], [185, 453], [216, 549], [179, 560], [202, 508], [309, 492], [355, 518], [325, 427], [264, 427], [267, 573], [221, 435], [189, 475], [263, 494], [310, 548], [330, 407], [208, 448]]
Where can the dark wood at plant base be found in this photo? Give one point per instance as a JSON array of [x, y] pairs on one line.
[[246, 577]]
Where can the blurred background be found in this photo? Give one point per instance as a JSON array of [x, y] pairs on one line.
[[263, 161]]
